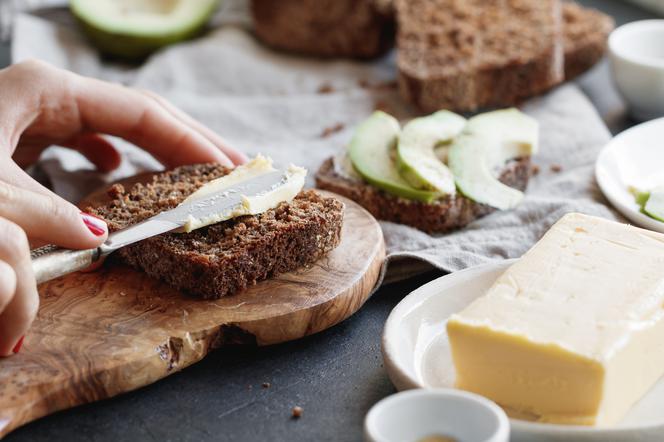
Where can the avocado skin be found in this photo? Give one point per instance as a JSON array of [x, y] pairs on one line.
[[129, 47]]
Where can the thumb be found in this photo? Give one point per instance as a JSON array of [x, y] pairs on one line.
[[47, 217]]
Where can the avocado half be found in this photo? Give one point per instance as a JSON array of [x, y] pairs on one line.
[[133, 29]]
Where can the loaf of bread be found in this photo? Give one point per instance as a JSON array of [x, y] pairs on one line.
[[447, 214], [222, 258], [471, 54], [326, 28], [459, 55]]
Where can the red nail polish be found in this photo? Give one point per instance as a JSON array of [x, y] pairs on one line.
[[96, 225], [18, 345]]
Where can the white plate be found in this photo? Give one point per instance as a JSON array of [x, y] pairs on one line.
[[635, 157], [417, 355]]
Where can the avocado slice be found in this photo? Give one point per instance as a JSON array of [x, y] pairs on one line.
[[416, 160], [640, 196], [370, 151], [132, 29], [654, 204], [487, 142]]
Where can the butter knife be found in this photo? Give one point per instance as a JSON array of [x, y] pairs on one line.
[[50, 262]]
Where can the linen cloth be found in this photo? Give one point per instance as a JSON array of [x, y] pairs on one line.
[[302, 110]]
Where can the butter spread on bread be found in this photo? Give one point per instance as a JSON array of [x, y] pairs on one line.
[[251, 205]]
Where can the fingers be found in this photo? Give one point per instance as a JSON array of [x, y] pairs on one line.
[[54, 105], [234, 155], [116, 110], [7, 285], [97, 149], [19, 300], [50, 218]]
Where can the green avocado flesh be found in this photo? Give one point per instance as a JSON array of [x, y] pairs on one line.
[[416, 161], [652, 203], [487, 142], [132, 29], [370, 151]]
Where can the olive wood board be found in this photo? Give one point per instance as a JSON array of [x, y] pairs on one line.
[[102, 333]]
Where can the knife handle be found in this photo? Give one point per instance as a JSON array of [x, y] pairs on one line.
[[50, 261]]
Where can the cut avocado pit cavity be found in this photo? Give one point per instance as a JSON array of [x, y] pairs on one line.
[[132, 29]]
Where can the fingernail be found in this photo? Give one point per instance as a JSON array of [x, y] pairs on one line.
[[18, 345], [96, 225]]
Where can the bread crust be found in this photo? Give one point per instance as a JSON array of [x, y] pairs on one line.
[[586, 37], [445, 215], [223, 258]]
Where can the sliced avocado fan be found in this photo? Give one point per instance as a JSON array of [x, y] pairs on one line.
[[487, 142], [133, 29], [416, 161], [370, 151]]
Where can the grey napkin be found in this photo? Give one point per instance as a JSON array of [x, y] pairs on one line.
[[303, 110]]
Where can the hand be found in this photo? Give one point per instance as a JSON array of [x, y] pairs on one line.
[[41, 105]]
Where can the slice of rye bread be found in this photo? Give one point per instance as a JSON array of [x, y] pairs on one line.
[[223, 258], [472, 54], [326, 28], [447, 214], [586, 36]]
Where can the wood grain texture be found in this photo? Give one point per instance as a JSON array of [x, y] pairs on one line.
[[103, 333]]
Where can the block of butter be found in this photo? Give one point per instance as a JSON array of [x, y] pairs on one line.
[[573, 333]]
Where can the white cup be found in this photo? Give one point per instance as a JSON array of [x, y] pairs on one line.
[[636, 52], [411, 416]]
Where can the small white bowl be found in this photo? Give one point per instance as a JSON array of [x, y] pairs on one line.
[[413, 415], [636, 52]]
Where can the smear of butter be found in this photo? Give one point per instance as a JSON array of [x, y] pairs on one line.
[[257, 166], [286, 190]]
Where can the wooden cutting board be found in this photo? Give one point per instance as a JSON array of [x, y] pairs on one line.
[[107, 332]]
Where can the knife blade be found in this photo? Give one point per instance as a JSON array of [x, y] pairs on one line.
[[50, 261]]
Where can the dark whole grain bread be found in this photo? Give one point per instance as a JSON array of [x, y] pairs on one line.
[[222, 258], [441, 216], [326, 28], [471, 54], [365, 28], [586, 35]]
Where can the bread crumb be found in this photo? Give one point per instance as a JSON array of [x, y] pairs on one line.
[[122, 293], [555, 168], [296, 412], [325, 88], [266, 385], [381, 105], [535, 170], [331, 130]]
